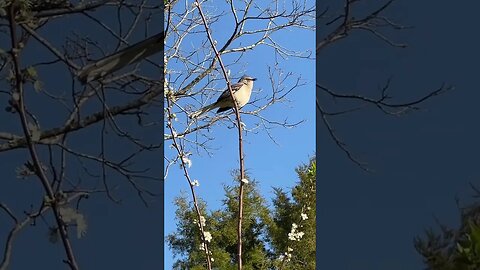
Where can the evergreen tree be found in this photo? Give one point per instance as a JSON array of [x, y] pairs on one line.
[[278, 238], [453, 249], [292, 232], [222, 225]]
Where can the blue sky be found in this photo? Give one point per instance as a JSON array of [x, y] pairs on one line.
[[422, 161], [273, 165]]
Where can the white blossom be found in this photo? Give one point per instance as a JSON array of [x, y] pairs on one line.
[[202, 220], [304, 216], [207, 236], [293, 235], [185, 159], [195, 183], [286, 256], [174, 116]]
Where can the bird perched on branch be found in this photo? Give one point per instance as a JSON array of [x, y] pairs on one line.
[[121, 59], [241, 91]]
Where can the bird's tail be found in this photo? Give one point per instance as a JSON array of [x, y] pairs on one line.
[[202, 110]]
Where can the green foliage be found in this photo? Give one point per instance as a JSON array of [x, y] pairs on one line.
[[265, 230], [222, 225], [22, 9], [20, 3], [453, 249], [299, 209]]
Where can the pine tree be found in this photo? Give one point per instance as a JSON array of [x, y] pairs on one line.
[[453, 249], [269, 240]]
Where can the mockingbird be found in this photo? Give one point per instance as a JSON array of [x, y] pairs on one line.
[[241, 91], [122, 58]]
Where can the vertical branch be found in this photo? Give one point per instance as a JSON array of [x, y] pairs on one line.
[[182, 155], [19, 105], [240, 144], [7, 253]]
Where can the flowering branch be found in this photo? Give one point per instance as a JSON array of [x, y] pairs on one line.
[[185, 162], [240, 141]]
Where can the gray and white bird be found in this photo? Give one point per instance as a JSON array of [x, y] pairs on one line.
[[241, 91], [122, 58]]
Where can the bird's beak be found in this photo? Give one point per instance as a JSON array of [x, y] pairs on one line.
[[254, 79]]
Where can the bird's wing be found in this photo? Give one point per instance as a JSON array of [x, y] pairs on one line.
[[120, 59], [226, 93]]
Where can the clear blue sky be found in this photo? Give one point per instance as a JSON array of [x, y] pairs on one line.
[[271, 164], [422, 160]]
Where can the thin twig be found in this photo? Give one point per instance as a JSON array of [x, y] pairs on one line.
[[182, 156]]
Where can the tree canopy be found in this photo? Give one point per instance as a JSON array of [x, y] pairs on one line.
[[280, 235]]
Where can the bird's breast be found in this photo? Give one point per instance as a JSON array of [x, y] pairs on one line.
[[242, 96]]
